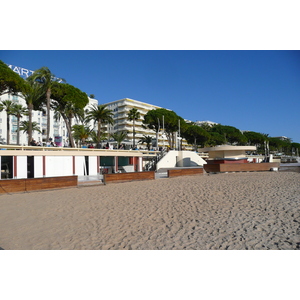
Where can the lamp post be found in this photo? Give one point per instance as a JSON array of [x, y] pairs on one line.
[[179, 138], [163, 134]]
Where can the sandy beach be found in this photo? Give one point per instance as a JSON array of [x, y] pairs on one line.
[[219, 211]]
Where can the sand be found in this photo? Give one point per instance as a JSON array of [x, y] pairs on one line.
[[219, 211]]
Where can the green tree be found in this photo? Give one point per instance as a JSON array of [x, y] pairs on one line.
[[80, 133], [100, 114], [195, 135], [33, 93], [7, 106], [25, 127], [256, 139], [278, 145], [96, 139], [133, 115], [215, 139], [156, 118], [19, 111], [231, 134], [146, 139], [119, 137], [47, 80], [10, 82], [68, 102]]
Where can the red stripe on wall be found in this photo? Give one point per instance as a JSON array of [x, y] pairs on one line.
[[15, 166], [73, 165], [44, 165]]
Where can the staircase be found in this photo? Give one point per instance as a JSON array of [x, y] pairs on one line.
[[151, 165]]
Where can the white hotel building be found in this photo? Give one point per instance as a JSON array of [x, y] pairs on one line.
[[119, 108], [57, 128]]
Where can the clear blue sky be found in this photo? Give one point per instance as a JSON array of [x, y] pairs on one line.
[[250, 90]]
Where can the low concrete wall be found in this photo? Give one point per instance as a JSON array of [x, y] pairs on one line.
[[122, 177], [36, 184], [240, 167]]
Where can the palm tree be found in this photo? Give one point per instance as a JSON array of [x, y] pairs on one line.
[[24, 126], [81, 133], [32, 93], [67, 111], [119, 136], [7, 105], [19, 111], [133, 115], [95, 139], [46, 79], [147, 139], [100, 114]]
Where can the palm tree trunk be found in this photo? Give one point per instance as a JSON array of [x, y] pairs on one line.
[[48, 114], [133, 133], [69, 129], [18, 131], [7, 128], [30, 108], [99, 130], [69, 126]]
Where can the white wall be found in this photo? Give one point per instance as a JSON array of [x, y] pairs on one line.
[[38, 166], [21, 167], [172, 157], [93, 170], [79, 165], [58, 166]]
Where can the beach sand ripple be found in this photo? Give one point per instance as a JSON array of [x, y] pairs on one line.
[[219, 211]]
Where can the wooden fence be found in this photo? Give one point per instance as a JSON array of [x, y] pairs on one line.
[[36, 184], [118, 177], [247, 167], [183, 172]]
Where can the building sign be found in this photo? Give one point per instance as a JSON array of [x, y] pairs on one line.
[[26, 73], [21, 71]]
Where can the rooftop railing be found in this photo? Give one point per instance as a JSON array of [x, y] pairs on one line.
[[66, 149]]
